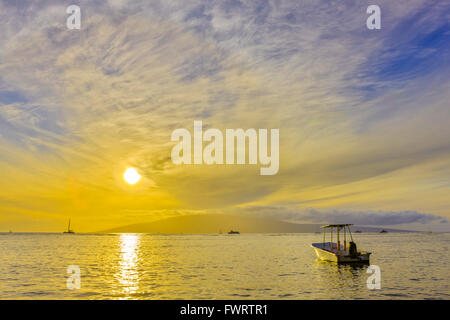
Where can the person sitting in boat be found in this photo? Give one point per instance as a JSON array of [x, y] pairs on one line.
[[352, 249]]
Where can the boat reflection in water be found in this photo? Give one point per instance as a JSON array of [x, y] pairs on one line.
[[128, 273]]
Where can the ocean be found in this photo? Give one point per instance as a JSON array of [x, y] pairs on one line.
[[245, 266]]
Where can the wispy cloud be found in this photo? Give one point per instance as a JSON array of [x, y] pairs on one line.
[[363, 115]]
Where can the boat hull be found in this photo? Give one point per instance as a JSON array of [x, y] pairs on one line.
[[324, 253]]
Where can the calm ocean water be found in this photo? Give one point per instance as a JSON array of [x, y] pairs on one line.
[[246, 266]]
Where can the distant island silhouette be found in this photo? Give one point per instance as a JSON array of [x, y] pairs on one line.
[[213, 223]]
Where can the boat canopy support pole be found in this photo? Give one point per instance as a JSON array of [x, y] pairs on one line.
[[324, 232], [331, 238], [345, 240], [351, 237], [338, 229]]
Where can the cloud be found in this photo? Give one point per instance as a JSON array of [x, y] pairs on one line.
[[368, 218], [363, 116]]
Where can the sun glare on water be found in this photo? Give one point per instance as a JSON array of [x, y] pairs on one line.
[[131, 176]]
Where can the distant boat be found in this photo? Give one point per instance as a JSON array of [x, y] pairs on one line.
[[383, 231], [335, 252], [233, 232], [358, 231], [68, 229]]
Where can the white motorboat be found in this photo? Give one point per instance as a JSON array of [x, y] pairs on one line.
[[337, 252]]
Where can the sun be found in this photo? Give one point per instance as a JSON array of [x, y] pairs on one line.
[[131, 176]]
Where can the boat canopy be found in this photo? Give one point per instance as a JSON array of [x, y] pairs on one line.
[[336, 225], [339, 228]]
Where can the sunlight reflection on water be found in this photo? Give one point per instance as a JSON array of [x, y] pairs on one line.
[[128, 275]]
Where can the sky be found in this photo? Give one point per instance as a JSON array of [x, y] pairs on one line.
[[363, 114]]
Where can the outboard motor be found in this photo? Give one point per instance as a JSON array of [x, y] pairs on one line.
[[352, 249]]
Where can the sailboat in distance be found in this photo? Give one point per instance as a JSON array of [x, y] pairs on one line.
[[68, 229]]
